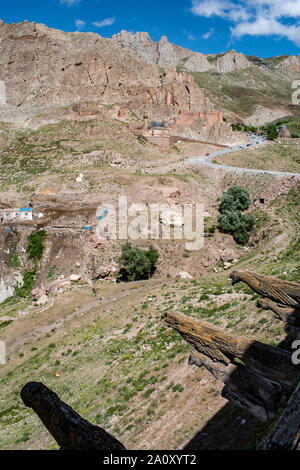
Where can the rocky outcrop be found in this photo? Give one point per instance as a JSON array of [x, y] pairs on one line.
[[162, 53], [231, 61], [290, 65], [45, 70], [50, 75], [7, 289]]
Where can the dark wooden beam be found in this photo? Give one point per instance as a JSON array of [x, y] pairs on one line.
[[68, 428], [286, 433], [265, 392]]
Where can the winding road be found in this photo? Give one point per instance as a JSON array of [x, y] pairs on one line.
[[206, 161]]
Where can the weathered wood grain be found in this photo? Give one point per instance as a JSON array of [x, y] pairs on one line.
[[289, 315], [280, 291], [268, 361]]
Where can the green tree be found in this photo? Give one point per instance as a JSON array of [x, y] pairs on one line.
[[237, 224], [35, 246], [136, 264], [235, 199], [232, 220], [272, 132]]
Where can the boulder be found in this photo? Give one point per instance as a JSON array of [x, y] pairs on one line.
[[37, 293], [75, 277], [42, 300], [170, 192], [185, 275]]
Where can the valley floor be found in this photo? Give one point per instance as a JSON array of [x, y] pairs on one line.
[[107, 352]]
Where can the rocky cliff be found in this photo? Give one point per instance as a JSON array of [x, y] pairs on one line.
[[162, 53], [49, 75]]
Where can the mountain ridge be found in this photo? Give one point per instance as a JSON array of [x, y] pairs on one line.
[[164, 53]]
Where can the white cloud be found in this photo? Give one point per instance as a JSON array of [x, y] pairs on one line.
[[70, 3], [255, 17], [208, 34], [106, 22], [80, 24]]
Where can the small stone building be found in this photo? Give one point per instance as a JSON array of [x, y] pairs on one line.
[[283, 132], [157, 134]]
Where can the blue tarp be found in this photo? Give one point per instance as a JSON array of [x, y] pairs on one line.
[[88, 227], [103, 214], [26, 210]]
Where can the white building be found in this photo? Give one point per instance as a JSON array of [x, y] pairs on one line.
[[15, 215]]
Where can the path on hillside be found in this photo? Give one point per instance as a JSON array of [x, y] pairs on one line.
[[206, 161]]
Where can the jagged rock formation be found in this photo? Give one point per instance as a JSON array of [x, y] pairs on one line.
[[68, 428], [162, 53], [50, 75], [231, 61], [260, 384], [290, 65]]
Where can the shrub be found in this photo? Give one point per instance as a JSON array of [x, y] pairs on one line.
[[238, 224], [35, 246], [232, 220], [136, 264], [235, 199], [236, 127], [272, 132], [28, 282]]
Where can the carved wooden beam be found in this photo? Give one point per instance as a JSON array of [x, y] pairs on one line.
[[264, 392], [68, 428], [246, 403], [286, 314], [286, 433], [282, 292], [268, 361]]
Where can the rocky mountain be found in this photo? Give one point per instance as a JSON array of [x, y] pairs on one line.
[[47, 75], [50, 75], [163, 53], [244, 87]]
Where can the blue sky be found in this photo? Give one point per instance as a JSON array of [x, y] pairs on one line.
[[261, 27]]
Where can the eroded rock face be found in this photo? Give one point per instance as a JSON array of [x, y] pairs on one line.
[[232, 61], [162, 53], [7, 289], [49, 75], [46, 69], [290, 65]]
